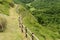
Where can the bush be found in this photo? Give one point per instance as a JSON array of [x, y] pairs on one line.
[[26, 1], [2, 23], [11, 4]]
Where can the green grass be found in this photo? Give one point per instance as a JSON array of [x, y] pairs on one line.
[[4, 8], [40, 31]]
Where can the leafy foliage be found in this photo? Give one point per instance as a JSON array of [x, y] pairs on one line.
[[4, 6], [39, 4], [45, 17], [26, 1], [17, 1]]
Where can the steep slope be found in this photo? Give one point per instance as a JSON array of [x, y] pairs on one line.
[[46, 12], [40, 31]]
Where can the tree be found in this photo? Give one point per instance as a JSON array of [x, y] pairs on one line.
[[23, 1], [26, 1]]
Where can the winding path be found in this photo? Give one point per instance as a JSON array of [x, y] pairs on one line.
[[12, 31]]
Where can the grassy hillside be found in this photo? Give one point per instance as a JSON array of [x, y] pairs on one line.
[[42, 32], [42, 17]]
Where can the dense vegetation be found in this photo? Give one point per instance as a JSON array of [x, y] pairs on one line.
[[41, 16], [47, 14], [4, 6], [50, 14]]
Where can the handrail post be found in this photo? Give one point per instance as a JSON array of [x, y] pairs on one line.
[[19, 22], [22, 28], [32, 36], [26, 32]]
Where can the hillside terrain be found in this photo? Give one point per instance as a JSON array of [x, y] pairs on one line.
[[12, 31], [42, 17]]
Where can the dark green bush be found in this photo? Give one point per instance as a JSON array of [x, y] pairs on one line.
[[26, 1], [11, 4]]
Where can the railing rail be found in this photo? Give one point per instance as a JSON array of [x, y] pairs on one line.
[[28, 34]]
